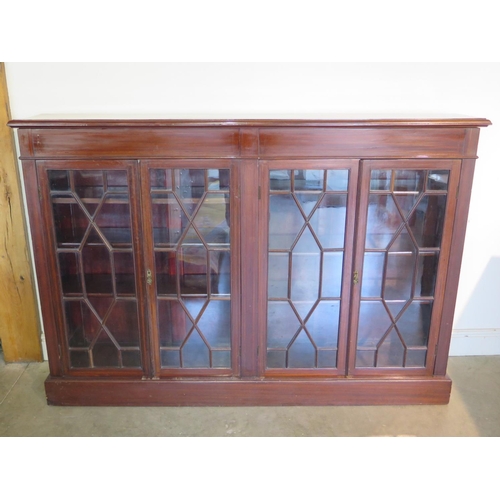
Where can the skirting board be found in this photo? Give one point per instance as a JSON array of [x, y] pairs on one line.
[[113, 392], [484, 342]]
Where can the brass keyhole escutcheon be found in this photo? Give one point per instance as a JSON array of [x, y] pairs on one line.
[[355, 278], [149, 277]]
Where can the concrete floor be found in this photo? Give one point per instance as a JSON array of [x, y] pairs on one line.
[[474, 410]]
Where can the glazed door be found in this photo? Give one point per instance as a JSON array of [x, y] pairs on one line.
[[403, 239], [308, 209], [92, 221], [192, 266]]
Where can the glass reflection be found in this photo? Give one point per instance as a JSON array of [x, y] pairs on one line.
[[191, 218], [307, 219], [92, 221], [404, 232]]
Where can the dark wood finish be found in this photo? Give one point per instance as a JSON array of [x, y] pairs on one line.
[[456, 253], [362, 142], [347, 121], [92, 392], [105, 143], [249, 149], [251, 352]]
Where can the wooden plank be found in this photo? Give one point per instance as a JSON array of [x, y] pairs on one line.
[[19, 322], [136, 142], [457, 248], [362, 142], [298, 120], [352, 391]]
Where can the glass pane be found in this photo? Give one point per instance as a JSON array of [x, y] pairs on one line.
[[323, 323], [70, 221], [166, 273], [59, 180], [409, 180], [391, 352], [373, 274], [218, 180], [191, 218], [160, 179], [215, 324], [113, 220], [190, 187], [414, 324], [278, 275], [193, 269], [336, 180], [331, 282], [92, 218], [383, 221], [307, 201], [380, 180], [302, 354], [285, 221], [374, 321], [220, 272], [212, 219], [174, 323], [328, 220], [426, 275], [309, 180], [438, 180], [69, 270], [280, 180], [124, 273], [399, 276], [169, 220], [88, 184], [117, 181], [428, 223], [282, 324], [305, 278]]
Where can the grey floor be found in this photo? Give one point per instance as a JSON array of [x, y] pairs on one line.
[[474, 410]]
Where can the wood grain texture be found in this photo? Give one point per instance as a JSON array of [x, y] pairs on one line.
[[283, 121], [249, 148], [19, 323], [136, 142], [99, 392]]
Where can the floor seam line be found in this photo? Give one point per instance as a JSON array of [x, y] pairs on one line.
[[14, 384]]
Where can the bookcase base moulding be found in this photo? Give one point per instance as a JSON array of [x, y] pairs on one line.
[[248, 262]]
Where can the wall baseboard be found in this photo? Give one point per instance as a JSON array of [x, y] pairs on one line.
[[485, 342]]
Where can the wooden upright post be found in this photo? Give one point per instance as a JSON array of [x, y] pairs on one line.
[[19, 324]]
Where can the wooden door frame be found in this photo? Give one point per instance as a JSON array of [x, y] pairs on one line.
[[20, 326]]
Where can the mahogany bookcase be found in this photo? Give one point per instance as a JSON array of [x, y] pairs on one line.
[[248, 262]]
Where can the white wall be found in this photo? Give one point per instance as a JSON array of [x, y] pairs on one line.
[[235, 90]]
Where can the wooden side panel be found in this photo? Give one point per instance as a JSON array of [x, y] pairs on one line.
[[457, 247], [362, 142], [19, 324], [136, 142]]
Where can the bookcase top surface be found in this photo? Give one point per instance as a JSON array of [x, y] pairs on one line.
[[276, 120]]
